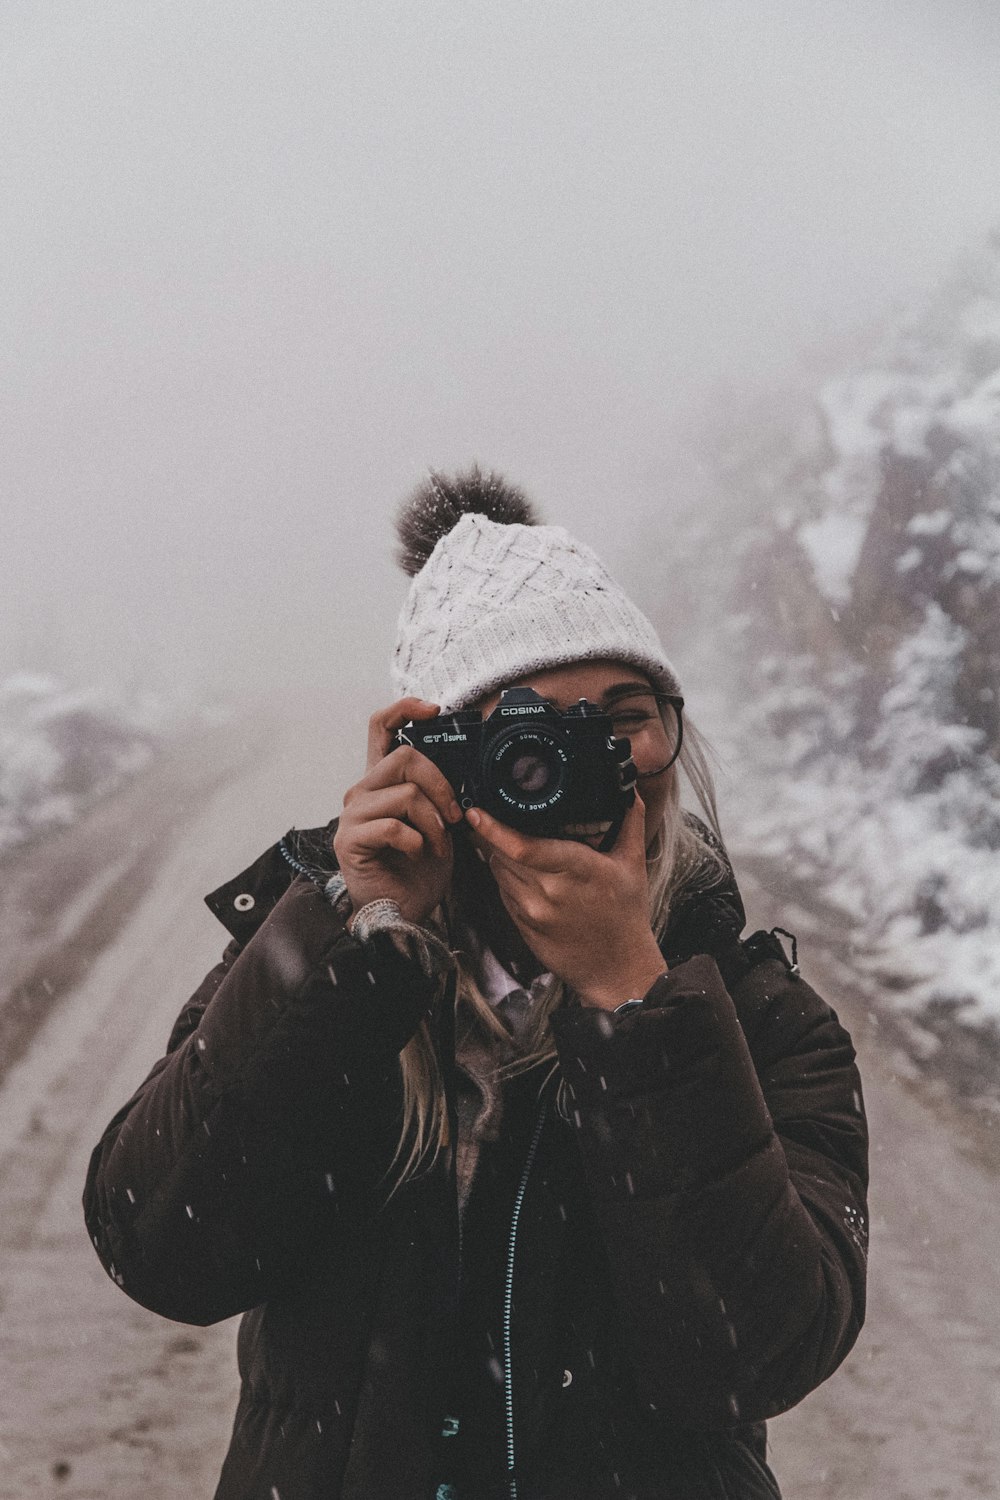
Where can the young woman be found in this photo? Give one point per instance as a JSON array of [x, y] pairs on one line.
[[531, 1179]]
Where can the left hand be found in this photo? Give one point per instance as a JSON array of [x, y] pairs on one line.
[[584, 915]]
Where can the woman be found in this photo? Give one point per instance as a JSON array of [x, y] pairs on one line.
[[531, 1179]]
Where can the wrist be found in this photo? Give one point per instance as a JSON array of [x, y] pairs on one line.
[[405, 906], [631, 981]]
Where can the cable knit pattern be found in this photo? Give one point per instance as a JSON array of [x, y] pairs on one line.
[[496, 602]]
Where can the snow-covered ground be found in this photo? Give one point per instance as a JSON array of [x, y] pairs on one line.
[[80, 829], [62, 748]]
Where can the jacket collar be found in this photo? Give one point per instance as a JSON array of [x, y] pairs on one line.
[[243, 903]]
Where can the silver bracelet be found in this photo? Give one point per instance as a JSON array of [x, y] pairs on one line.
[[628, 1005]]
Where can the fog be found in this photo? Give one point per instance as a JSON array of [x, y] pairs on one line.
[[265, 263]]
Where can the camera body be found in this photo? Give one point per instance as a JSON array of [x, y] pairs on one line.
[[541, 771]]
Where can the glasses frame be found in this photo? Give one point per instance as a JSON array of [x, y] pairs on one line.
[[677, 704]]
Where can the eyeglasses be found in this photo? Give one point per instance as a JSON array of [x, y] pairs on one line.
[[654, 724]]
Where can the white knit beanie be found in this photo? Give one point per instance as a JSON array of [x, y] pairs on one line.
[[493, 600]]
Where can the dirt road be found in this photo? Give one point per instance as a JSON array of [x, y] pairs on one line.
[[914, 1412], [99, 1399]]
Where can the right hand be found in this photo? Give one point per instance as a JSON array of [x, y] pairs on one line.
[[393, 839]]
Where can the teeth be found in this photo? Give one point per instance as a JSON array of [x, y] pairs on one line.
[[587, 828]]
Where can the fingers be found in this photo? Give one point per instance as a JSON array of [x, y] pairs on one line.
[[553, 855], [407, 804], [509, 873], [389, 833], [390, 764], [520, 912], [560, 856], [406, 766], [383, 724]]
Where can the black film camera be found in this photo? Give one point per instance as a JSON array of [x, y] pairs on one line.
[[551, 774]]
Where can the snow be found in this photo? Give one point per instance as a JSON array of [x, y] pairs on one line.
[[879, 749], [62, 748], [977, 412], [931, 523], [904, 838], [924, 899], [850, 408], [833, 546]]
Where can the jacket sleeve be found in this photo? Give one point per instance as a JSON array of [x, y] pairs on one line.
[[277, 1102], [725, 1148]]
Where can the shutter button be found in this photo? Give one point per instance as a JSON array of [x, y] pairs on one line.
[[567, 1378], [244, 902]]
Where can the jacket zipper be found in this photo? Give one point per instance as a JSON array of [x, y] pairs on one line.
[[508, 1297]]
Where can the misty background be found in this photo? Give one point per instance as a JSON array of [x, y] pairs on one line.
[[718, 284], [263, 264]]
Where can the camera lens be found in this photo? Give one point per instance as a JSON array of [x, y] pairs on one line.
[[527, 770], [530, 774]]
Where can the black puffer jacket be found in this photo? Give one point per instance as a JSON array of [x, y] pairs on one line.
[[642, 1284]]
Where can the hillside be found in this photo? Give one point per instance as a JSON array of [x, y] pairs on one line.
[[866, 671]]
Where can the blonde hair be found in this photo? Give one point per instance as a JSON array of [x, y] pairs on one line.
[[680, 861]]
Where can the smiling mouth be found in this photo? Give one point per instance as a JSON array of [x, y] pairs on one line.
[[586, 830]]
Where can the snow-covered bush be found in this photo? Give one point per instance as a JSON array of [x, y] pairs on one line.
[[62, 749]]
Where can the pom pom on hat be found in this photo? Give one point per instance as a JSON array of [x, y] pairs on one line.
[[436, 506], [496, 596]]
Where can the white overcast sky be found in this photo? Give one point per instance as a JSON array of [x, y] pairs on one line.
[[264, 262]]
